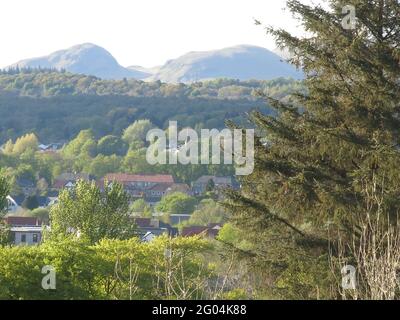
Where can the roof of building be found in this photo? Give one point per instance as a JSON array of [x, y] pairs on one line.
[[127, 178], [59, 184], [193, 231], [211, 230], [22, 221]]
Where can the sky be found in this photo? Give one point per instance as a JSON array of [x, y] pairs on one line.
[[136, 32]]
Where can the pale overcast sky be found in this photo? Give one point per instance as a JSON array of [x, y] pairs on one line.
[[136, 32]]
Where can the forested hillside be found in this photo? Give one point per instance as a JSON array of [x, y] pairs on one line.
[[57, 105]]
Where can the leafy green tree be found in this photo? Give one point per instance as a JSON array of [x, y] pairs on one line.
[[41, 213], [177, 203], [135, 162], [93, 213], [162, 269], [326, 152], [22, 144], [4, 192], [135, 134], [30, 203], [84, 144], [112, 145], [102, 165], [73, 260], [208, 211], [141, 208]]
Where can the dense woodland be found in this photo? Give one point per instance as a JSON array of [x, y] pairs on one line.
[[57, 105]]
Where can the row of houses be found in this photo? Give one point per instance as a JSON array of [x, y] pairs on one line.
[[150, 187], [29, 230]]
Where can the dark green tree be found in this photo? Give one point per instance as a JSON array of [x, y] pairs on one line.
[[112, 145], [30, 203], [327, 151]]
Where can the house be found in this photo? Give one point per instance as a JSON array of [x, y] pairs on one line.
[[148, 237], [52, 147], [199, 187], [148, 229], [18, 221], [158, 190], [179, 187], [68, 180], [210, 231], [24, 230], [26, 235], [193, 231], [147, 186]]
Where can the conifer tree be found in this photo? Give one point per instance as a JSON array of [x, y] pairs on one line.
[[320, 158]]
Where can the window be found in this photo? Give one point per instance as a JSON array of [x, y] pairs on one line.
[[23, 238], [35, 238]]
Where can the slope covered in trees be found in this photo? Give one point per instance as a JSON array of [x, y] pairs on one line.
[[57, 105]]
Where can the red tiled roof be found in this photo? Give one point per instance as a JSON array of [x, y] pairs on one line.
[[126, 178], [211, 230], [193, 231], [22, 221]]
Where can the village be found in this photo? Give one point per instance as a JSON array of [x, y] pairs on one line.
[[148, 188]]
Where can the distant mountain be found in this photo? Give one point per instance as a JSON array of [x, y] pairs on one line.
[[243, 62], [86, 59], [148, 71]]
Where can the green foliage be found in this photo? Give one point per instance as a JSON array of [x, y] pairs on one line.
[[4, 192], [41, 213], [177, 203], [30, 203], [57, 106], [325, 152], [83, 145], [93, 213], [111, 269], [141, 208], [111, 145], [22, 144], [135, 134], [208, 211], [21, 276], [102, 165], [234, 236]]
